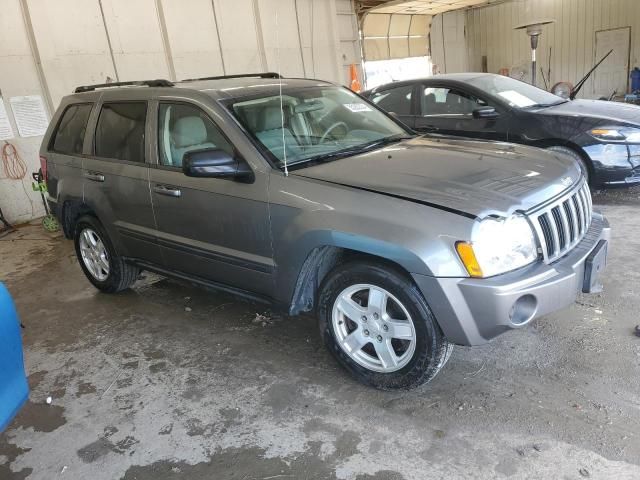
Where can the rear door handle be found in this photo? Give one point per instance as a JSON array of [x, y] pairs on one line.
[[167, 190], [94, 176]]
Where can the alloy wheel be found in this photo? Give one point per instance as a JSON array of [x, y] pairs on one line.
[[94, 254], [374, 328]]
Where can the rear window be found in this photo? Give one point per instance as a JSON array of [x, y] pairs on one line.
[[69, 136], [120, 131], [396, 100]]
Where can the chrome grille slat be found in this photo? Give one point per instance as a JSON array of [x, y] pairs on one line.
[[561, 225], [574, 218], [566, 231], [576, 204], [571, 222], [583, 212]]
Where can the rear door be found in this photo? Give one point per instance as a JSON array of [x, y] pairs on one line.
[[212, 228], [398, 100], [449, 111], [116, 177]]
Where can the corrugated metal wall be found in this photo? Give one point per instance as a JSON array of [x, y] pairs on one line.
[[489, 31]]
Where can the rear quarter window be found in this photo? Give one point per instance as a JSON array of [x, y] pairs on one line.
[[69, 135]]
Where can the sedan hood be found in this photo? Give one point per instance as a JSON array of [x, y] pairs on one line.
[[473, 178], [613, 112]]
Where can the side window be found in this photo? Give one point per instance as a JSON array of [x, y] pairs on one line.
[[396, 100], [120, 131], [444, 101], [69, 136], [184, 128]]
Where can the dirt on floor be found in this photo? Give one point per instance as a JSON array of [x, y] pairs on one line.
[[169, 381]]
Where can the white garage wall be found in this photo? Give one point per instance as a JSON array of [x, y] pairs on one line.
[[489, 31], [75, 42]]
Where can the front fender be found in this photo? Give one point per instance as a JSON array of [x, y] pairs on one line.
[[309, 215]]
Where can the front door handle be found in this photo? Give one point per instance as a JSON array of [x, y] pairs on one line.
[[94, 176], [167, 190]]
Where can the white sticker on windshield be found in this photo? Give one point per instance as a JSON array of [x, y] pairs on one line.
[[516, 98], [357, 107]]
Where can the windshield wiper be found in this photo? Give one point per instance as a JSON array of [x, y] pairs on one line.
[[546, 105], [355, 150]]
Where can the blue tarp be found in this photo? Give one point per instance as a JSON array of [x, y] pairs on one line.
[[13, 381]]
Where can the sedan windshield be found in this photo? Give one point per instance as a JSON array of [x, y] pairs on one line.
[[315, 123], [516, 93]]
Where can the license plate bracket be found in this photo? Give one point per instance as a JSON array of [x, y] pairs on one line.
[[593, 266]]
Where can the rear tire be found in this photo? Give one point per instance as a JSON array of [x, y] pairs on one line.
[[373, 342], [577, 157], [99, 260]]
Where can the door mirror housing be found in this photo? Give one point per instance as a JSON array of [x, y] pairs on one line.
[[216, 163], [485, 112]]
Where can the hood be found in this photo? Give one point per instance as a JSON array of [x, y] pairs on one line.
[[613, 112], [473, 178]]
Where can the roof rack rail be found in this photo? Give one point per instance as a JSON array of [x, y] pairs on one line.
[[141, 83], [241, 75]]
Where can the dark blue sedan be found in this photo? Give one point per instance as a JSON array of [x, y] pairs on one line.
[[604, 137]]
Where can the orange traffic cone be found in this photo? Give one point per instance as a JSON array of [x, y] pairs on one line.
[[355, 83]]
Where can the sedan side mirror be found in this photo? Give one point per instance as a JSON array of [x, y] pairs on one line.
[[216, 163], [485, 112]]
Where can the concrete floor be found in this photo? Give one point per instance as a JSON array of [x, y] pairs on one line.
[[168, 381]]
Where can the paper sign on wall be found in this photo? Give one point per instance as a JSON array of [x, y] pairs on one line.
[[6, 132], [30, 115]]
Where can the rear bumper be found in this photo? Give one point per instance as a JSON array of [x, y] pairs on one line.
[[472, 311]]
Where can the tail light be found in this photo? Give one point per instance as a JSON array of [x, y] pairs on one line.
[[43, 168]]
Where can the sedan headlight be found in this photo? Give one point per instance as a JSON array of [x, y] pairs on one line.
[[498, 245], [616, 134]]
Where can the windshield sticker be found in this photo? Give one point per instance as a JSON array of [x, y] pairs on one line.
[[357, 107], [516, 98]]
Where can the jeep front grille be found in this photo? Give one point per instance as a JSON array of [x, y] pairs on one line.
[[561, 225]]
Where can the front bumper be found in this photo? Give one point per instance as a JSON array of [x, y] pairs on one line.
[[472, 311], [614, 164]]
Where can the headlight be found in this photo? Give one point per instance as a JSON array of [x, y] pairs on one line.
[[616, 134], [498, 245]]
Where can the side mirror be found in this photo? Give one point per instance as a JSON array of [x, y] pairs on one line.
[[485, 112], [215, 163]]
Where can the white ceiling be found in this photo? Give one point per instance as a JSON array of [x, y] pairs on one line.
[[425, 7]]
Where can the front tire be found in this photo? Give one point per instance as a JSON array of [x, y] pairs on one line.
[[377, 324], [99, 260]]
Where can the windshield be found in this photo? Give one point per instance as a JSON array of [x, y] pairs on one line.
[[315, 123], [516, 93]]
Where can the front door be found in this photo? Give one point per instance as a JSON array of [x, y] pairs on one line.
[[211, 228], [449, 111]]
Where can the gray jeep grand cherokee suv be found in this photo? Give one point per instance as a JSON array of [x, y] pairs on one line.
[[302, 194]]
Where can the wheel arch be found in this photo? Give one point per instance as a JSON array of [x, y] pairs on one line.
[[72, 210], [559, 142], [322, 260]]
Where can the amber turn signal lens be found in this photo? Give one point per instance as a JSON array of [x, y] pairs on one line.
[[465, 250]]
